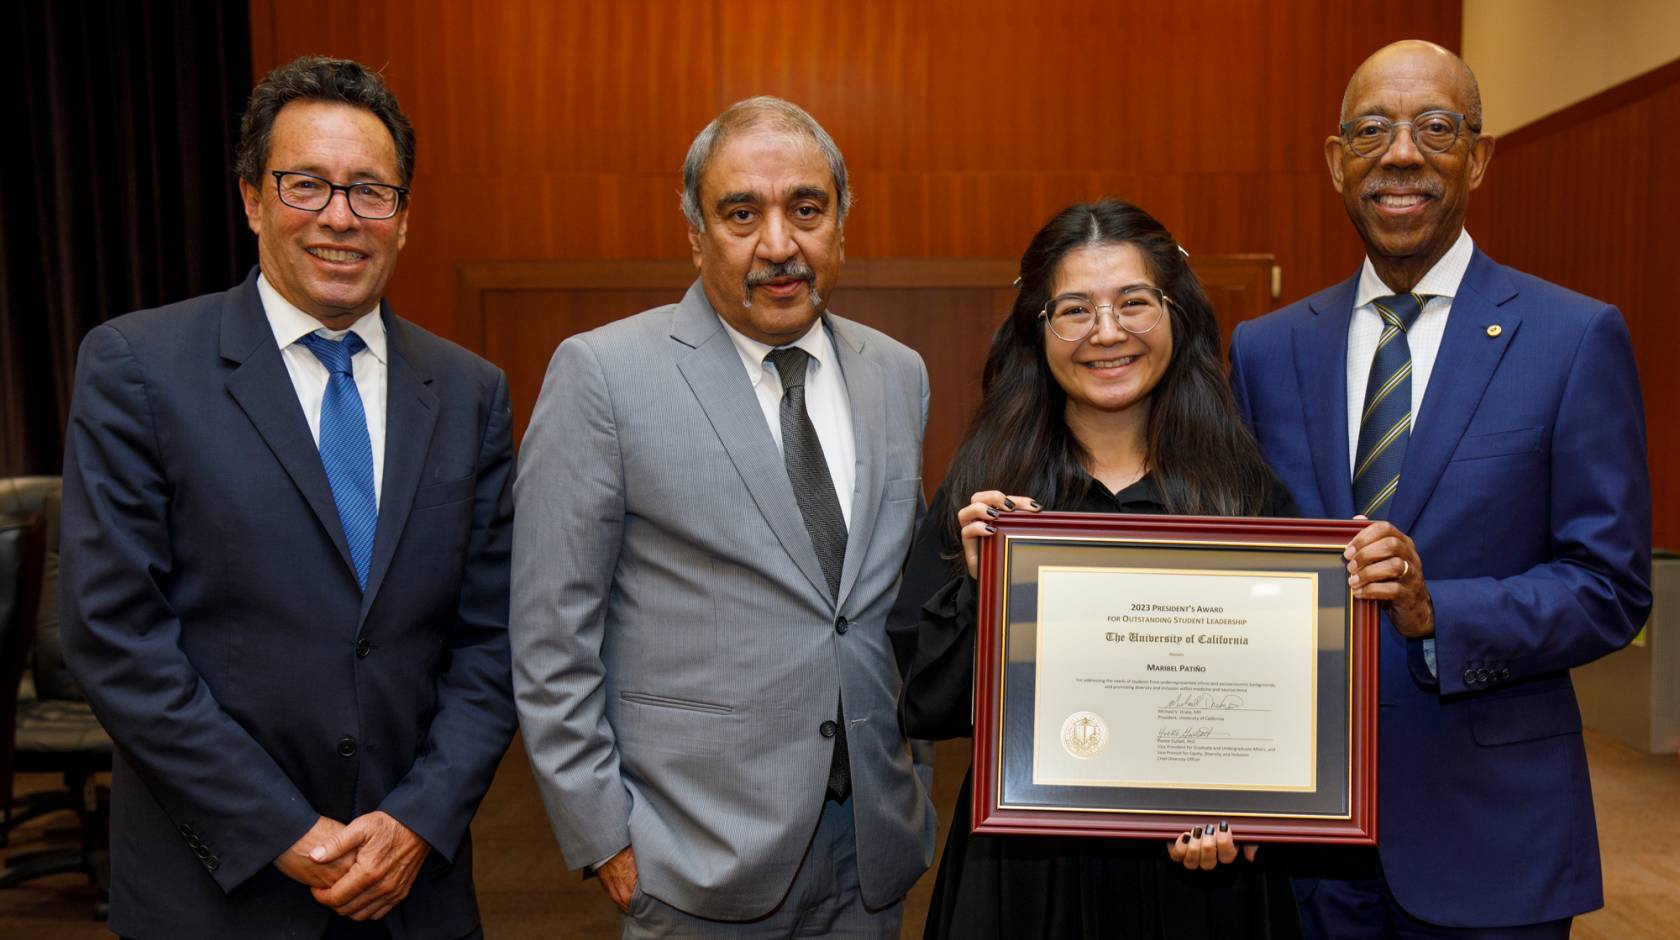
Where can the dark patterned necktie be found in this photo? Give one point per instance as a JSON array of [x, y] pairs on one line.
[[1386, 423], [819, 506], [346, 449]]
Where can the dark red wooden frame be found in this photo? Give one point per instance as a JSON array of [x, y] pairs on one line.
[[1360, 828]]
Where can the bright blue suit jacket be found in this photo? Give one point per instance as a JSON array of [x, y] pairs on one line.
[[212, 615], [1526, 490]]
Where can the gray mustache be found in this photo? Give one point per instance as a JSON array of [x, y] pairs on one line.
[[1376, 184], [790, 268]]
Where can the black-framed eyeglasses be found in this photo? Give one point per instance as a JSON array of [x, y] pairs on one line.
[[1136, 309], [1434, 131], [311, 193]]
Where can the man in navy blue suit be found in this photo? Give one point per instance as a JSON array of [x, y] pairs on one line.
[[1515, 519], [287, 520]]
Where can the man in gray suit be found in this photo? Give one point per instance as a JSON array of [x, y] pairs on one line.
[[713, 503]]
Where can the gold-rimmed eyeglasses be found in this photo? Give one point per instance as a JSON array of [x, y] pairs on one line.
[[1433, 131], [1136, 309]]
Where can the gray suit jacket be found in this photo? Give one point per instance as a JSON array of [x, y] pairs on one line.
[[675, 646]]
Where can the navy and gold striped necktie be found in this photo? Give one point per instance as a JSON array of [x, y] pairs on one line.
[[1386, 422]]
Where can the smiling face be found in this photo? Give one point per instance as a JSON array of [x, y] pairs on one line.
[[1407, 203], [331, 264], [1109, 372], [772, 246]]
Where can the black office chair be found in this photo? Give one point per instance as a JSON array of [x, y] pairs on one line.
[[55, 730], [22, 555]]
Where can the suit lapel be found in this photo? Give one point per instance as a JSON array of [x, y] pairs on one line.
[[263, 388], [866, 391], [1321, 370], [411, 409], [712, 368], [1463, 368]]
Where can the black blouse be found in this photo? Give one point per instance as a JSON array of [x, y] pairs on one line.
[[1054, 887]]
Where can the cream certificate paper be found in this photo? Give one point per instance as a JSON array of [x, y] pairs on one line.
[[1167, 678]]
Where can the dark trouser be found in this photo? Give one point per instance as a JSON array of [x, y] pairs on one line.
[[1365, 909], [343, 928]]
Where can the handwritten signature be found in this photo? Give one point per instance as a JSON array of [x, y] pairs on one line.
[[1184, 734], [1204, 700]]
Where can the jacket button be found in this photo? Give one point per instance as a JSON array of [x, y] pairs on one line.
[[828, 728], [1504, 673], [212, 863], [347, 747], [841, 625], [186, 830], [363, 647], [1469, 676]]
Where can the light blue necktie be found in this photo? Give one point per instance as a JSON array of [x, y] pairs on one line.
[[346, 450]]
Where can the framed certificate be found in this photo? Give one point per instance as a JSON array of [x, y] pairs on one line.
[[1143, 675]]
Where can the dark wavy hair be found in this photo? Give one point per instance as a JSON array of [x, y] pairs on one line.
[[318, 78], [1203, 459]]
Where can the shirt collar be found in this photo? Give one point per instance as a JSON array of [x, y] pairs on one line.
[[815, 342], [291, 324], [1442, 280]]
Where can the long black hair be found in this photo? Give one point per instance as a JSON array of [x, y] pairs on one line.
[[1203, 459]]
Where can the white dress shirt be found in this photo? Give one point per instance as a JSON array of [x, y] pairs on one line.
[[825, 401], [1424, 337], [309, 376]]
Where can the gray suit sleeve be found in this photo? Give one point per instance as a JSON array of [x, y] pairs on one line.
[[568, 524]]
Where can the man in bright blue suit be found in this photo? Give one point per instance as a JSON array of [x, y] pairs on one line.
[[1515, 519], [287, 524]]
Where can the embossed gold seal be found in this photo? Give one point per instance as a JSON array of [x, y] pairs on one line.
[[1084, 734]]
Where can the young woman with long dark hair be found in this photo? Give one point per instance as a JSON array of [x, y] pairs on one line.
[[1103, 392]]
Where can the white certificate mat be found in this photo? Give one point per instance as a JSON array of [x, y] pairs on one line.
[[1169, 678]]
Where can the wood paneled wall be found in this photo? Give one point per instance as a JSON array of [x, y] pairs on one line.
[[1587, 198], [554, 129]]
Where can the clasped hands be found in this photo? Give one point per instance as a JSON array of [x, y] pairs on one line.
[[361, 870]]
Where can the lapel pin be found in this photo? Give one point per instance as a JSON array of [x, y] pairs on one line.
[[1494, 331]]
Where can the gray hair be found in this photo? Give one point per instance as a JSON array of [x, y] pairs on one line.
[[763, 111]]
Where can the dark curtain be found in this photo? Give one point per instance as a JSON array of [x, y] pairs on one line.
[[117, 192]]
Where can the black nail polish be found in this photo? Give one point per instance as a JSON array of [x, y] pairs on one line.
[[1008, 503], [1035, 504], [991, 512], [1184, 839], [991, 530], [1196, 833], [1224, 825]]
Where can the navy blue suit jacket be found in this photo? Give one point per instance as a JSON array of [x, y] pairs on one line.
[[212, 615], [1526, 491]]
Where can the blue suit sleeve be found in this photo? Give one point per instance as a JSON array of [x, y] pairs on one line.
[[1238, 387], [474, 719], [1594, 594], [122, 636]]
